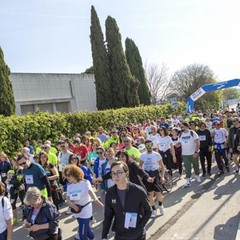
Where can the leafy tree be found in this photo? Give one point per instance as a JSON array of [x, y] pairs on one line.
[[100, 64], [135, 64], [187, 80], [230, 93], [89, 70], [125, 86], [7, 103]]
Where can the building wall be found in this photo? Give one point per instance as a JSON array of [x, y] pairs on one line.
[[53, 92]]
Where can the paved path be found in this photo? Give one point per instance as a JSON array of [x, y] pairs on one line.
[[210, 210]]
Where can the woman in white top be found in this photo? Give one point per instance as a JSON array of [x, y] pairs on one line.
[[166, 149], [80, 195], [6, 216]]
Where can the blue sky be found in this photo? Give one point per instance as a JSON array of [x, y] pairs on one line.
[[53, 35]]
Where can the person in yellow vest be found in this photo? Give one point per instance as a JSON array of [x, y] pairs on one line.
[[52, 149], [52, 158], [133, 152]]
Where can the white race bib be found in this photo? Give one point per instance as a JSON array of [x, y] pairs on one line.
[[75, 196], [130, 220], [4, 174], [202, 137], [29, 179]]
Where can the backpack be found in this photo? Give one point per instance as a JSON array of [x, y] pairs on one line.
[[191, 133]]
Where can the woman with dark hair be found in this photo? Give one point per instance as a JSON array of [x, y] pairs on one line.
[[87, 143], [166, 148], [6, 216], [136, 174], [53, 176], [80, 194], [178, 150]]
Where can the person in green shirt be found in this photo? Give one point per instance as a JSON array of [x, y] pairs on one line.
[[52, 158], [133, 152], [114, 138], [39, 147]]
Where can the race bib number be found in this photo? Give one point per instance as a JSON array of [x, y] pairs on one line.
[[202, 137], [29, 179], [130, 220], [75, 196]]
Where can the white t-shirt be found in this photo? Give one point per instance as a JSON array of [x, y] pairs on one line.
[[188, 142], [219, 135], [164, 143], [150, 161], [78, 194], [154, 139], [175, 122], [5, 214]]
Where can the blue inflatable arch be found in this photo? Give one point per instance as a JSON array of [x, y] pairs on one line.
[[209, 88]]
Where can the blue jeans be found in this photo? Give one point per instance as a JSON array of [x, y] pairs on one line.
[[85, 231], [3, 235]]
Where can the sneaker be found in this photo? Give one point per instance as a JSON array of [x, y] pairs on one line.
[[92, 223], [187, 183], [198, 178], [76, 237], [209, 174], [227, 168], [204, 174], [154, 213], [161, 208], [68, 212], [221, 172]]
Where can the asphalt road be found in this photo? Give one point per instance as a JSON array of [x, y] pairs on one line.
[[210, 210]]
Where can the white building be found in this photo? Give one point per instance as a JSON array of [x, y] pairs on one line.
[[53, 92]]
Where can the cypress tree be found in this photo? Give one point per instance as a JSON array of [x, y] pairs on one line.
[[135, 64], [7, 103], [125, 86], [100, 64]]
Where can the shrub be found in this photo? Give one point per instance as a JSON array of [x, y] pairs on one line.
[[45, 126]]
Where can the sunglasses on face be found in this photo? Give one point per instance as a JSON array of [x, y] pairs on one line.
[[22, 164], [73, 159], [62, 146], [99, 153], [127, 141], [44, 147]]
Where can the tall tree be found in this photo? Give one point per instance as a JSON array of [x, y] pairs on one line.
[[189, 79], [100, 64], [136, 67], [125, 86], [7, 103], [158, 82]]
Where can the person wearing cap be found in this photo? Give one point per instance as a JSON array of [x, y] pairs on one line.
[[35, 175], [220, 136]]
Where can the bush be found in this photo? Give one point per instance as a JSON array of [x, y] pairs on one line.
[[45, 126]]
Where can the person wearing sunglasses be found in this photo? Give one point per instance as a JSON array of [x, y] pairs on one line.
[[220, 136], [151, 162], [35, 176], [80, 192], [51, 156], [113, 138], [99, 169], [133, 152], [129, 198]]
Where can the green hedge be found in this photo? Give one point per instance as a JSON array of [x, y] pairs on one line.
[[16, 129]]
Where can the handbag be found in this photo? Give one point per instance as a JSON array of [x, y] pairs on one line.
[[79, 208]]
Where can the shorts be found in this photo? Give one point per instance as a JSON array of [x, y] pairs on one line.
[[156, 186]]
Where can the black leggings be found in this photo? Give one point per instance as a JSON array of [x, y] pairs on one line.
[[14, 194], [167, 160]]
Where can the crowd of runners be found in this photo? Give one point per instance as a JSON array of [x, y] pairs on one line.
[[121, 170]]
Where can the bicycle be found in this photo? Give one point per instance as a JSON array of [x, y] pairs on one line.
[[168, 183]]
